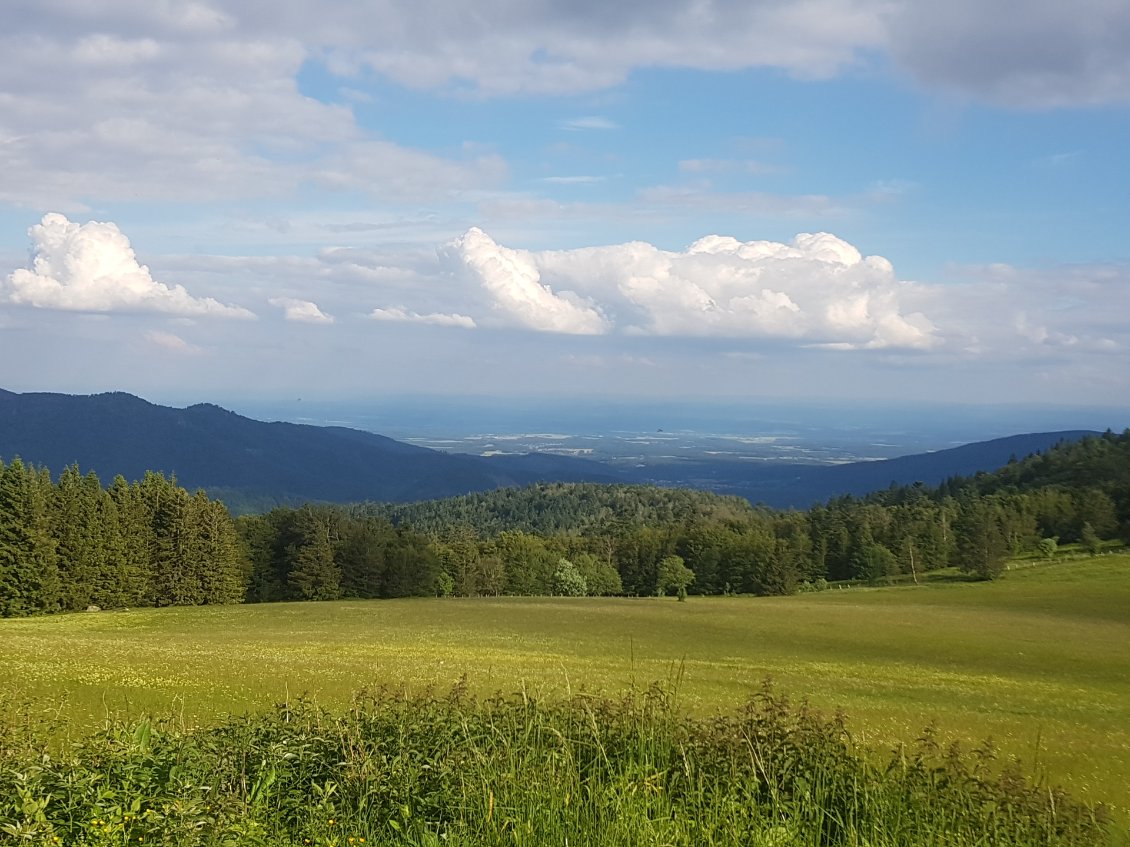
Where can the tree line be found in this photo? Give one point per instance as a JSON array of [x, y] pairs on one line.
[[70, 543]]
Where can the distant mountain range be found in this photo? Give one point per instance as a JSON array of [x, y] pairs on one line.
[[249, 462], [252, 464]]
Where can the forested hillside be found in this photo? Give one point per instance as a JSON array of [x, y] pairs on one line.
[[1102, 462], [573, 509], [641, 540], [70, 543], [252, 463]]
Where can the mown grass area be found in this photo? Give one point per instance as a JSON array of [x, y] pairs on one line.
[[1038, 661]]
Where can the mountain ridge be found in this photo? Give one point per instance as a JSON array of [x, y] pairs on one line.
[[247, 461], [206, 446]]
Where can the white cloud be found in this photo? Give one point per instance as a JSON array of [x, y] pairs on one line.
[[302, 311], [513, 282], [1022, 313], [174, 343], [573, 180], [588, 122], [134, 100], [152, 108], [817, 289], [498, 46], [91, 267], [397, 315], [128, 100]]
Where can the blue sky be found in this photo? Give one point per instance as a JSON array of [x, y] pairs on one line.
[[895, 200]]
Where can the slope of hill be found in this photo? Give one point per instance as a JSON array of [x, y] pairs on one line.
[[800, 486], [247, 460]]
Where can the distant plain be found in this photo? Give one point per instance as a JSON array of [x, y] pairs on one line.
[[626, 432]]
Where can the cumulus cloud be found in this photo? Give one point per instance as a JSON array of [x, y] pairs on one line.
[[172, 342], [91, 267], [513, 282], [397, 315], [302, 311], [817, 289]]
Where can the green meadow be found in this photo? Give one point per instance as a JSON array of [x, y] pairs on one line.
[[1038, 662]]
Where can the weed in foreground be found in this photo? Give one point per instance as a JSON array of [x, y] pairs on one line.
[[451, 770]]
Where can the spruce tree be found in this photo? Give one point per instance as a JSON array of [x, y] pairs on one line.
[[29, 576], [313, 573]]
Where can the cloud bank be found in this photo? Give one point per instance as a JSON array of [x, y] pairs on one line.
[[1027, 53], [817, 289], [92, 268], [203, 101]]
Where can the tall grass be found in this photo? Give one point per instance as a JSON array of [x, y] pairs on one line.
[[519, 770]]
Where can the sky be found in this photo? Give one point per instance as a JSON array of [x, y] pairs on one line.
[[899, 201]]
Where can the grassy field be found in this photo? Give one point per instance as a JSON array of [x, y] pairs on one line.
[[1038, 661]]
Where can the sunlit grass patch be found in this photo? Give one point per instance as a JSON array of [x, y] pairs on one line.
[[1037, 660]]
